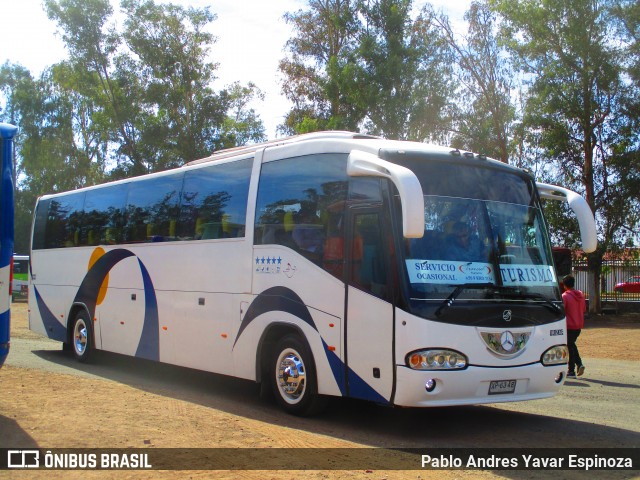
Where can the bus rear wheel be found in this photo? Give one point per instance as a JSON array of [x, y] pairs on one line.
[[82, 337], [294, 379]]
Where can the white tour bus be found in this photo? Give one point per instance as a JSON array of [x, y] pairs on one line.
[[328, 264]]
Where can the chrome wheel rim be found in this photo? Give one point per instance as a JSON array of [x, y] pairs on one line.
[[291, 376], [80, 337]]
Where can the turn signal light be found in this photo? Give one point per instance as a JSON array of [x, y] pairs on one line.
[[436, 359], [557, 355]]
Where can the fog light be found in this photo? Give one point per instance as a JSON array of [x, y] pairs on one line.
[[559, 377], [430, 385]]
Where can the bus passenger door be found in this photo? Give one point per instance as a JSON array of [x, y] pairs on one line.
[[369, 322]]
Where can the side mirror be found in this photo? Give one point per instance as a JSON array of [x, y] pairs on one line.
[[363, 164], [580, 207]]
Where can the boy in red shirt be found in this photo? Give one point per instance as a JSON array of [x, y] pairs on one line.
[[575, 307]]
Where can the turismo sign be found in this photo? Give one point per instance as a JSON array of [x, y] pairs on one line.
[[446, 272], [528, 275]]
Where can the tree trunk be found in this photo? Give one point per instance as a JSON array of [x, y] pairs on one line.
[[594, 271]]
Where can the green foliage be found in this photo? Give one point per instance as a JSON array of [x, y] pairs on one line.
[[318, 74], [54, 148], [407, 71], [486, 111], [576, 96], [178, 111], [151, 83], [354, 64]]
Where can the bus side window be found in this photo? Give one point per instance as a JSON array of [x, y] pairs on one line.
[[214, 202], [104, 215], [40, 225], [63, 222], [300, 201], [152, 206]]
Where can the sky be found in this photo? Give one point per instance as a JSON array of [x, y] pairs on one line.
[[251, 38]]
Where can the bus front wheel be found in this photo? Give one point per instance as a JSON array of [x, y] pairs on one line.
[[294, 379], [82, 337]]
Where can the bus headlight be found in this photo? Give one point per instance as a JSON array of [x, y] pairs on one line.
[[557, 355], [436, 359]]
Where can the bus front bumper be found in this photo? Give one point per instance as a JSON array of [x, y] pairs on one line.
[[476, 384]]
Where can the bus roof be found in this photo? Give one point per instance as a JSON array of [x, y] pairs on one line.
[[326, 135], [368, 142], [371, 143]]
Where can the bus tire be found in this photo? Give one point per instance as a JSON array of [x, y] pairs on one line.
[[293, 377], [82, 337]]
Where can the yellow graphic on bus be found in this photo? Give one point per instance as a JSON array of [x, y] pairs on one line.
[[97, 253]]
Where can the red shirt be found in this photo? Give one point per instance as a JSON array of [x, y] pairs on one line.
[[575, 308]]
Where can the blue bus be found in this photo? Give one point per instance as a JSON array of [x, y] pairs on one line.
[[7, 132]]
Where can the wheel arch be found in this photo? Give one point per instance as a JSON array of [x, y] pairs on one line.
[[268, 340]]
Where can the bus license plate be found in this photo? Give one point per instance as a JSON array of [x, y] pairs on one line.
[[498, 387]]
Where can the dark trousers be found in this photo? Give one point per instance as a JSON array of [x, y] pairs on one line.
[[574, 355]]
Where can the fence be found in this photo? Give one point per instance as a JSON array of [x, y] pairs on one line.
[[613, 273]]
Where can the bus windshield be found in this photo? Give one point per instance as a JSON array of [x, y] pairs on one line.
[[485, 237]]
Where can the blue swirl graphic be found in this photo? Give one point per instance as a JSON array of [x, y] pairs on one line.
[[149, 343]]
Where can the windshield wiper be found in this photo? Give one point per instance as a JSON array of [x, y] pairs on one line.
[[533, 296], [447, 302]]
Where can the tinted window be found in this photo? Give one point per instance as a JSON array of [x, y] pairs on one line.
[[105, 215], [64, 219], [152, 209], [214, 201], [209, 202], [365, 190], [468, 179], [40, 224], [301, 204]]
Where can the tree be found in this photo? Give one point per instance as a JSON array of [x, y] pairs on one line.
[[367, 64], [406, 71], [92, 49], [242, 125], [152, 82], [570, 51], [20, 93], [319, 66], [56, 149], [487, 116], [180, 116], [627, 157]]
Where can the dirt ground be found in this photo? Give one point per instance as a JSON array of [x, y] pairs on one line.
[[39, 408]]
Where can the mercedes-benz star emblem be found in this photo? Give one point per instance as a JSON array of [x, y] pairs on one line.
[[506, 315], [507, 341]]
